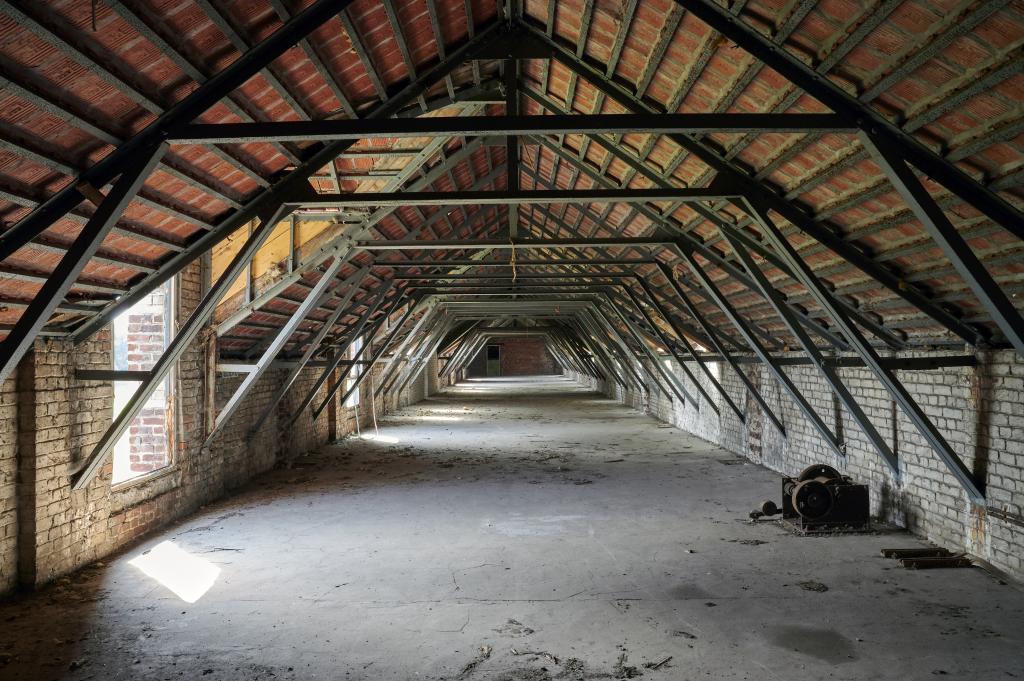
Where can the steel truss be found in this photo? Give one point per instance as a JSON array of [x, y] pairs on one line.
[[604, 324]]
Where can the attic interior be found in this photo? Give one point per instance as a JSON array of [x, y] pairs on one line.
[[511, 339]]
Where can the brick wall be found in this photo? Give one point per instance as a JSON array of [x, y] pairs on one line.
[[521, 356], [49, 420], [8, 480], [980, 410], [139, 342]]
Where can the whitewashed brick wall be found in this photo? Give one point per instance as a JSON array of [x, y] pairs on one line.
[[980, 410]]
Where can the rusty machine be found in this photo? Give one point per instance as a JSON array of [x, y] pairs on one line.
[[821, 500]]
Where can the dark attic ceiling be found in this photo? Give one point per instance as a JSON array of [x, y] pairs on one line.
[[903, 207]]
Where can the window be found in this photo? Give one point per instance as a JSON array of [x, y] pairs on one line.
[[353, 375], [140, 335]]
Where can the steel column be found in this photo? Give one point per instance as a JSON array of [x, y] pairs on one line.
[[417, 364], [430, 312], [669, 345], [762, 352], [713, 337], [369, 366], [339, 354], [673, 381]]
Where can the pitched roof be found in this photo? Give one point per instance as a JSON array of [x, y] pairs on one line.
[[79, 83]]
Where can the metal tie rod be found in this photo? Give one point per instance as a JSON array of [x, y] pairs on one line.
[[464, 126]]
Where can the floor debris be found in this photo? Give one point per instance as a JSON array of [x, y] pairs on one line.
[[514, 628], [624, 671], [813, 586], [349, 576], [537, 653], [482, 656], [657, 665]]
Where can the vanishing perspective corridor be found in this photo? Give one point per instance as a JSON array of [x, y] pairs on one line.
[[513, 529]]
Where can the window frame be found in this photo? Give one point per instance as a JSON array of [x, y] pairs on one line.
[[173, 389]]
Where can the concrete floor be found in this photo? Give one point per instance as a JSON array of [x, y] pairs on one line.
[[512, 529]]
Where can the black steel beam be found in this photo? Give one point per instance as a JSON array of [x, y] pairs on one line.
[[196, 103], [885, 376], [839, 388], [19, 340], [891, 363], [496, 244], [293, 184], [110, 375], [712, 335], [184, 336], [949, 239], [857, 113], [728, 170], [330, 130], [502, 197]]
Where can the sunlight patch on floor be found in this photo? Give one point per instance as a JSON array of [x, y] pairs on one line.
[[189, 577]]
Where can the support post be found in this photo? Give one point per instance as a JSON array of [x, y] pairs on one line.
[[339, 354], [376, 355], [669, 345], [722, 350], [429, 345], [766, 357], [673, 381], [394, 361]]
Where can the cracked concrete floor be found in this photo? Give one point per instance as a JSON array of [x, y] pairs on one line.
[[512, 530]]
